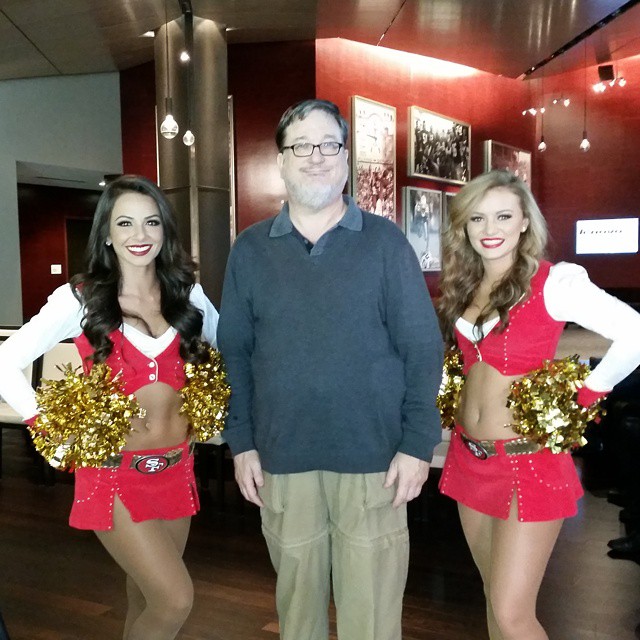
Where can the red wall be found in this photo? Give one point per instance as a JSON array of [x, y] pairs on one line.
[[42, 214], [137, 105], [264, 80], [491, 104], [602, 183]]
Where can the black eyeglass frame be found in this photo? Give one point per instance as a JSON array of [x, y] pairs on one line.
[[313, 148]]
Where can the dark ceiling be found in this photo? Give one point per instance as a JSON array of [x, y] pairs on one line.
[[506, 37]]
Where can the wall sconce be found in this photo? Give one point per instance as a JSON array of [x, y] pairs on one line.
[[533, 111], [607, 77]]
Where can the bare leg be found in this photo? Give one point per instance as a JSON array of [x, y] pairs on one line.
[[136, 605], [520, 552], [150, 553], [478, 529]]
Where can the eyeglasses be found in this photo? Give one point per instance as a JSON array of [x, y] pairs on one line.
[[306, 149]]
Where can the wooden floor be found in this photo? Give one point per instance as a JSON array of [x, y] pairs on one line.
[[59, 584]]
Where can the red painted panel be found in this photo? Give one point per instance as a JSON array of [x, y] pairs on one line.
[[137, 104], [42, 212], [264, 79], [491, 104], [602, 183]]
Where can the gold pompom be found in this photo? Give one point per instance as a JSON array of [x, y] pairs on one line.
[[544, 405], [450, 387], [205, 396], [83, 419]]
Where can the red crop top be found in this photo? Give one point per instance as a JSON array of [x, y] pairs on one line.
[[530, 338], [138, 370]]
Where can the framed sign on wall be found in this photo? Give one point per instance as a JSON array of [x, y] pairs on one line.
[[373, 156]]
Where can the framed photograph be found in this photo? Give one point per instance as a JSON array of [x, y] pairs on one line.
[[422, 223], [439, 147], [504, 156], [232, 173], [373, 156], [446, 208]]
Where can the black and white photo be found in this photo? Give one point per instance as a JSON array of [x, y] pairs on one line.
[[422, 225], [440, 148], [374, 156]]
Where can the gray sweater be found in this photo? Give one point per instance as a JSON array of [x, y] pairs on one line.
[[334, 356]]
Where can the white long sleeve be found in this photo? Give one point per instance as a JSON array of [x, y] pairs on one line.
[[570, 296], [58, 320], [210, 314]]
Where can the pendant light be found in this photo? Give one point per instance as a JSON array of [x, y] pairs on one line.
[[169, 127], [542, 146], [585, 145], [188, 139]]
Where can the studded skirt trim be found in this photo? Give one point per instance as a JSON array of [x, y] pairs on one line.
[[162, 495], [545, 484]]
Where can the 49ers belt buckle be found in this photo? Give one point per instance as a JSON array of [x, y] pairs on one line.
[[151, 464], [475, 448]]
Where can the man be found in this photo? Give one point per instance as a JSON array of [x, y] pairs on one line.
[[334, 358]]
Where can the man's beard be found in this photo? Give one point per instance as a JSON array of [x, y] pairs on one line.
[[315, 197]]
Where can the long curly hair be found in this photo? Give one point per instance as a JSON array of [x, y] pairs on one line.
[[99, 287], [462, 268]]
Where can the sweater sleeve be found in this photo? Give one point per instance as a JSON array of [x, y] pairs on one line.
[[235, 340], [571, 297], [414, 332], [209, 313], [59, 319]]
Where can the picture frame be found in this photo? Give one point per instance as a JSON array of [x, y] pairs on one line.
[[422, 214], [233, 222], [446, 209], [373, 156], [498, 155], [439, 147]]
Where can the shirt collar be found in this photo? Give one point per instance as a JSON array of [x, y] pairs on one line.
[[352, 219]]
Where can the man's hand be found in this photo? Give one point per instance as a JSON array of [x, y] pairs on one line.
[[249, 475], [410, 473]]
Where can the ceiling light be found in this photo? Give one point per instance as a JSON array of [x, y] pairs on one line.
[[585, 145], [621, 82], [102, 183], [184, 57], [188, 138], [566, 102], [148, 34], [169, 127], [542, 147]]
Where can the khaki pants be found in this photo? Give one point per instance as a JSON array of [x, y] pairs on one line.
[[320, 524]]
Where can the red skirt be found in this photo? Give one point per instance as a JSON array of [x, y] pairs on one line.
[[155, 492], [545, 484]]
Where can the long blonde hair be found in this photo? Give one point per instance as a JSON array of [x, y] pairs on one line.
[[462, 268]]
